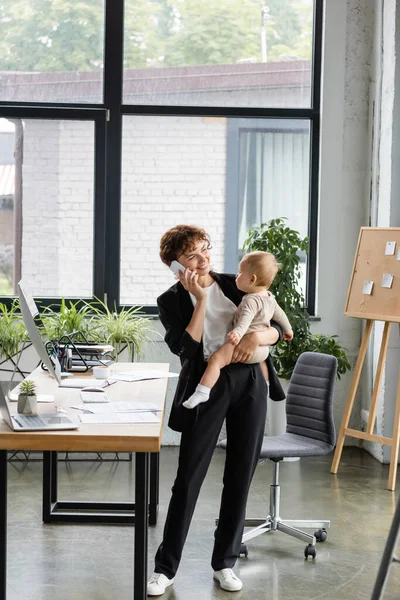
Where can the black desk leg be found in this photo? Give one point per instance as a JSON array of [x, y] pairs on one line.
[[141, 525], [3, 524], [388, 556], [154, 487], [54, 476]]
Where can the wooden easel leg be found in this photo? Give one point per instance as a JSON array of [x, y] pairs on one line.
[[351, 396], [378, 377], [395, 443]]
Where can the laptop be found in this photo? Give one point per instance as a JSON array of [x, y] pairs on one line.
[[41, 422], [29, 311]]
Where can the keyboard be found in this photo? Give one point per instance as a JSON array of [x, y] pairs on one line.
[[94, 397], [30, 420]]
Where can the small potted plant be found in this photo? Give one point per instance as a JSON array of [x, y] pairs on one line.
[[27, 399]]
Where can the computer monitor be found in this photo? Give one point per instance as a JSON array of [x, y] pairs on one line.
[[29, 311]]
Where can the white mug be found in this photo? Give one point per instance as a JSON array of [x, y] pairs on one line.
[[101, 372]]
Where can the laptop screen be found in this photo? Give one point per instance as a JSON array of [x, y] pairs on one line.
[[5, 411], [29, 311]]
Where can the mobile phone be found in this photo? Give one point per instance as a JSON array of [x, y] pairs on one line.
[[176, 266]]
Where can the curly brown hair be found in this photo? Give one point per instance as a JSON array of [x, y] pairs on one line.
[[180, 239]]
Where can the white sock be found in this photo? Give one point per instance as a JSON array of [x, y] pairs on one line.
[[201, 394]]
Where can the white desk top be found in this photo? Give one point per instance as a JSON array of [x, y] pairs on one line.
[[143, 437]]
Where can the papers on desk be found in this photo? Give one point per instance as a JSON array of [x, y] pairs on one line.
[[142, 375], [138, 417], [117, 407]]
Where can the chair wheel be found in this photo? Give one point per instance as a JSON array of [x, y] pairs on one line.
[[310, 551], [243, 550], [321, 535]]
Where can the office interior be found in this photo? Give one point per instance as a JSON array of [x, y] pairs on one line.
[[294, 113]]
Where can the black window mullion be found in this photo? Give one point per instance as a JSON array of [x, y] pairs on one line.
[[314, 157], [99, 220], [113, 78]]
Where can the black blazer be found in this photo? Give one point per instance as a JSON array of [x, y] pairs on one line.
[[175, 311]]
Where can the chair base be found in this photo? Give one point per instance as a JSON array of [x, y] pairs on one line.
[[289, 526]]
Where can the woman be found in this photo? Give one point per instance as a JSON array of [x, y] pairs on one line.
[[196, 313]]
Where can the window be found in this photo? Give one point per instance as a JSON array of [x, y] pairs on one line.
[[267, 177], [120, 119], [225, 53], [51, 51]]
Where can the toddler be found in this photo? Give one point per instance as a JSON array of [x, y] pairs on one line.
[[257, 271]]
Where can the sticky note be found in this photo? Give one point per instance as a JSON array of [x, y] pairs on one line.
[[367, 287], [387, 280], [390, 248]]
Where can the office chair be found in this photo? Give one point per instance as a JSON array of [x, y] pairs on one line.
[[310, 431]]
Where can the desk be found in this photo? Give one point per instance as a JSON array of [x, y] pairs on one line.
[[142, 439]]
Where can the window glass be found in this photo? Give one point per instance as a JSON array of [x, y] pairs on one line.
[[225, 53], [46, 206], [51, 51], [183, 170], [273, 168]]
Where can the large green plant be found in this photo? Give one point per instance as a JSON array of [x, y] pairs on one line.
[[286, 245], [65, 319], [12, 330], [98, 324], [123, 328]]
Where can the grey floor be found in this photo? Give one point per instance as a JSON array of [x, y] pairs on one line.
[[71, 562]]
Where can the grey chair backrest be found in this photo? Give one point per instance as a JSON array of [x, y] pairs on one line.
[[310, 397]]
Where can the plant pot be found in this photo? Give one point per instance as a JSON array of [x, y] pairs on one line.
[[27, 405]]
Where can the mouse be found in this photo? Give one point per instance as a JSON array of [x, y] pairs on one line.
[[92, 389]]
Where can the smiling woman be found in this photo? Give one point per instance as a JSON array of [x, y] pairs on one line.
[[196, 313]]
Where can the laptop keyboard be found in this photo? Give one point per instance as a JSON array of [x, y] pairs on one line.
[[30, 420]]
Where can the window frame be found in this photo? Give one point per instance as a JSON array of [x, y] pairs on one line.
[[108, 151]]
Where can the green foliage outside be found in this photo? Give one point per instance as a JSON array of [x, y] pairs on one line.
[[58, 35], [286, 245]]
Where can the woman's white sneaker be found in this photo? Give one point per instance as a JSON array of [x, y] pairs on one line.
[[228, 580], [157, 584]]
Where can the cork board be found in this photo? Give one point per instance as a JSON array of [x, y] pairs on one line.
[[373, 264]]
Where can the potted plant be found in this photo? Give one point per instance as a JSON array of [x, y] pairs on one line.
[[98, 324], [122, 329], [12, 330], [27, 400], [67, 318], [287, 246]]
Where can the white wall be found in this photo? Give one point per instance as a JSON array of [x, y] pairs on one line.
[[344, 172]]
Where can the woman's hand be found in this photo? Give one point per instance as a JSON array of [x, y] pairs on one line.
[[189, 280], [246, 347]]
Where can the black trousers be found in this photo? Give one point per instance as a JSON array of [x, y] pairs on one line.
[[240, 396]]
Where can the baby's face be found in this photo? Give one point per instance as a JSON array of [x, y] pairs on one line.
[[244, 277]]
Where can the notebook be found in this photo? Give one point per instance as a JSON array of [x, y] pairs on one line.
[[34, 422]]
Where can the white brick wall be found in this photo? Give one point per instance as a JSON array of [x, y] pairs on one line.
[[58, 176], [174, 171]]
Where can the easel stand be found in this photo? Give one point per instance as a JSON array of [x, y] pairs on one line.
[[368, 434]]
